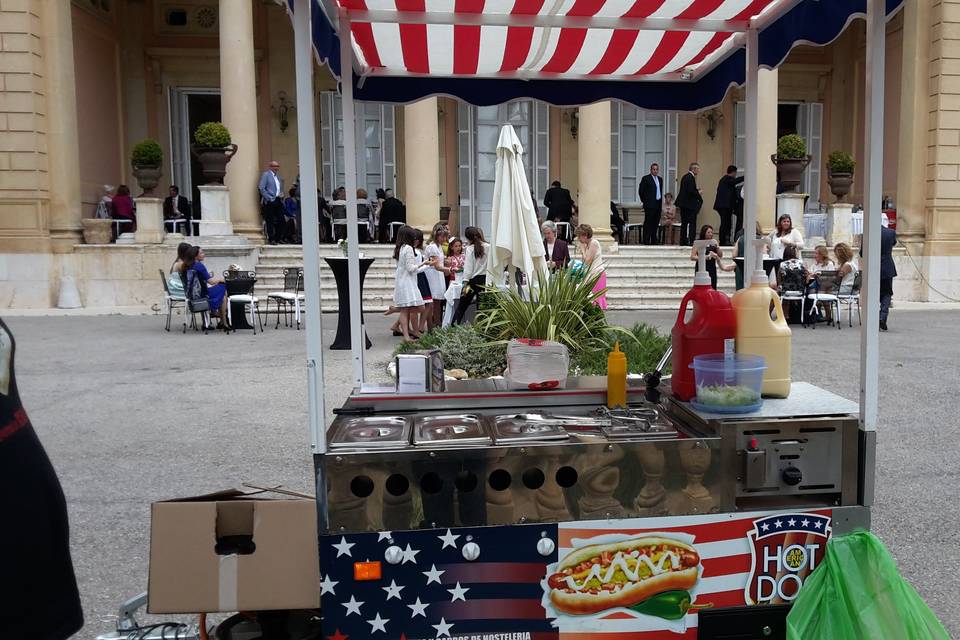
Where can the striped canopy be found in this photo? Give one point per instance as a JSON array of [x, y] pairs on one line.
[[656, 54]]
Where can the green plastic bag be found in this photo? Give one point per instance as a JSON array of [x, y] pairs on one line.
[[858, 593]]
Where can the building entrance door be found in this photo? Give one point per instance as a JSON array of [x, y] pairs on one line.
[[189, 108]]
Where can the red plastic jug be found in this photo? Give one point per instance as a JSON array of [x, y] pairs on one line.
[[711, 323]]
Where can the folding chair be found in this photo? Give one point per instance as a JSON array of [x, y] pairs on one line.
[[291, 297], [852, 298], [170, 300]]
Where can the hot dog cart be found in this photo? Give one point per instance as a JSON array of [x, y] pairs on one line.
[[465, 503], [480, 512]]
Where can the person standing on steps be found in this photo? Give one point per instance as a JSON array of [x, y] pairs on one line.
[[271, 201], [689, 202], [726, 201], [651, 195]]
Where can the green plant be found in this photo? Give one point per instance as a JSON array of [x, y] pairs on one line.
[[840, 162], [562, 309], [147, 153], [212, 134], [463, 347], [643, 352], [791, 147]]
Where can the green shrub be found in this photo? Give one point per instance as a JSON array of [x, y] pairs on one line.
[[562, 310], [840, 162], [212, 134], [463, 347], [147, 153], [643, 352], [791, 147]]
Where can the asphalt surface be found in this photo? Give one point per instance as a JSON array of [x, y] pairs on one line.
[[130, 414]]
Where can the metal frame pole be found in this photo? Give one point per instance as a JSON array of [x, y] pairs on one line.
[[752, 184], [307, 145], [357, 333], [873, 187]]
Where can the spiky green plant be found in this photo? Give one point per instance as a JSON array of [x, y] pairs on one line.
[[561, 309]]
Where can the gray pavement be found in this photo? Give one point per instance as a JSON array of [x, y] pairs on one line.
[[130, 414]]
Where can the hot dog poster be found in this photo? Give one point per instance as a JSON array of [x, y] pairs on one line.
[[641, 578]]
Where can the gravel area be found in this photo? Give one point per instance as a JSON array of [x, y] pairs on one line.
[[130, 414]]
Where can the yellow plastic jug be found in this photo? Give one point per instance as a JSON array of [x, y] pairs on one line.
[[759, 334]]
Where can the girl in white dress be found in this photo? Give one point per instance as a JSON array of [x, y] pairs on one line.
[[406, 294], [437, 277], [593, 259]]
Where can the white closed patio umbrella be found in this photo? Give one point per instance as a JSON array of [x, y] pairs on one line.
[[515, 238]]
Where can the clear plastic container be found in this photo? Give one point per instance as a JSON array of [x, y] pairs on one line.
[[728, 383]]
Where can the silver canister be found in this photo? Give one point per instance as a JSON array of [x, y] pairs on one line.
[[420, 372]]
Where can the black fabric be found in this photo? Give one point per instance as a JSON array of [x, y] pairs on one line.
[[559, 204], [726, 192], [688, 225], [886, 297], [272, 213], [888, 240], [392, 210], [616, 223], [39, 599], [688, 196], [651, 224], [726, 222], [648, 193], [711, 265], [476, 285]]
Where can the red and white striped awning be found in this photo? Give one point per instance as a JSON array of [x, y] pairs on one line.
[[586, 39]]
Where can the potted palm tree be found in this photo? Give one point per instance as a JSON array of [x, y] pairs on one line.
[[791, 160], [213, 149], [840, 166], [146, 159]]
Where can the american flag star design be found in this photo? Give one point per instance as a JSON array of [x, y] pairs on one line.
[[437, 593]]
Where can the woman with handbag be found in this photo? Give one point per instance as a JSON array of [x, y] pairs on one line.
[[216, 290]]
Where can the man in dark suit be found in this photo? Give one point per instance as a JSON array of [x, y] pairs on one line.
[[558, 202], [392, 210], [557, 251], [689, 201], [176, 206], [888, 271], [726, 202], [651, 195]]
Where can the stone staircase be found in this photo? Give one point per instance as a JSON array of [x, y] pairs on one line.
[[638, 277]]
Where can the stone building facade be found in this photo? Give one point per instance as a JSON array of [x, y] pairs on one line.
[[81, 81]]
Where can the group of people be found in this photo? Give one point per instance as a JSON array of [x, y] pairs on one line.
[[189, 277], [282, 219], [117, 205]]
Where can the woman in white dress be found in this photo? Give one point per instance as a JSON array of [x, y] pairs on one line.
[[846, 268], [475, 267], [784, 236], [592, 256], [437, 277], [406, 293]]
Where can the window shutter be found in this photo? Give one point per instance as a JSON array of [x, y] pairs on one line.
[[740, 137], [814, 140], [541, 155], [615, 152], [465, 162], [389, 148], [670, 179]]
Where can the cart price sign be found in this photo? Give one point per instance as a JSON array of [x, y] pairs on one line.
[[634, 579]]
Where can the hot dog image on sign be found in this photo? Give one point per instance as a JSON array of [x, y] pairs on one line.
[[784, 549], [650, 576]]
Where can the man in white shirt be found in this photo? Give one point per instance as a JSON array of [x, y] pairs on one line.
[[271, 201]]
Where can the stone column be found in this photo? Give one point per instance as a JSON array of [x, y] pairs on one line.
[[421, 156], [215, 203], [767, 143], [238, 99], [149, 221], [593, 158], [838, 216], [914, 121], [63, 147]]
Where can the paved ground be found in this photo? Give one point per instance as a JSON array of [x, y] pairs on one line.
[[130, 414]]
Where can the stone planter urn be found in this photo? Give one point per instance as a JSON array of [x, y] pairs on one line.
[[791, 171], [213, 161], [839, 184], [97, 230], [148, 177]]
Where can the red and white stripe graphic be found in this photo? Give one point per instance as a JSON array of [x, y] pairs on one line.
[[724, 548], [470, 49]]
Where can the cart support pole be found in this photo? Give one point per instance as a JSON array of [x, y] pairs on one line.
[[873, 154], [357, 333], [752, 184], [307, 144]]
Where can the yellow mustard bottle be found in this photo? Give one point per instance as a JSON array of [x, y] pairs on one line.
[[616, 378], [759, 334]]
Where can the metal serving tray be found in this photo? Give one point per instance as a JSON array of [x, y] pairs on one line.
[[450, 431], [370, 432], [515, 428]]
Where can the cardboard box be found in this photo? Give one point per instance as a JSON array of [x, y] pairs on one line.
[[233, 551]]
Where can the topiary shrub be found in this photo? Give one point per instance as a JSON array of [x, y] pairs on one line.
[[212, 134], [791, 147], [147, 153], [840, 162]]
